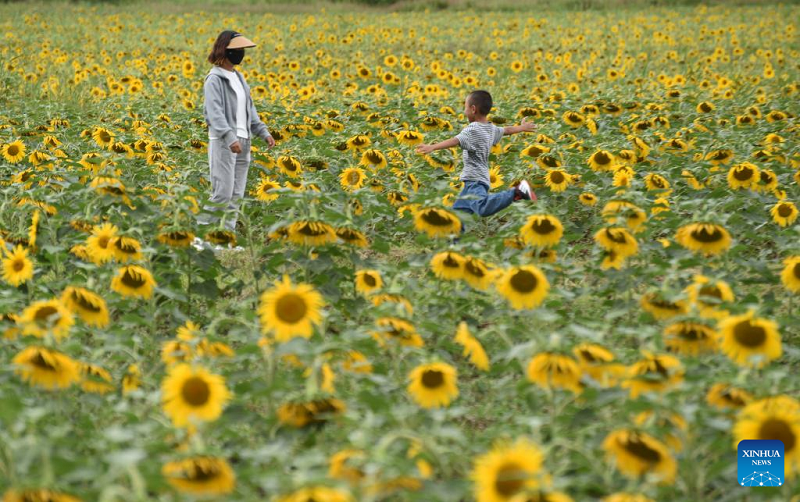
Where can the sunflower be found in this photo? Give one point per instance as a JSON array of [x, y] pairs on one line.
[[525, 287], [380, 299], [126, 249], [724, 396], [134, 281], [707, 296], [37, 495], [290, 166], [91, 308], [436, 222], [221, 237], [542, 230], [311, 233], [99, 243], [706, 238], [773, 418], [705, 107], [601, 160], [638, 454], [556, 371], [784, 213], [718, 157], [790, 276], [618, 241], [374, 159], [750, 341], [448, 265], [200, 476], [398, 329], [573, 119], [176, 239], [557, 180], [13, 152], [95, 379], [317, 494], [103, 137], [690, 338], [290, 310], [17, 267], [46, 317], [507, 470], [587, 199], [192, 393], [477, 274], [596, 361], [533, 151], [352, 237], [368, 281], [653, 373], [352, 178], [472, 347], [265, 191], [433, 385], [339, 468], [46, 368], [409, 138], [132, 379], [744, 175], [633, 215], [662, 308], [316, 412]]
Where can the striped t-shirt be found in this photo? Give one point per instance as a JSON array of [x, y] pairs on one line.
[[476, 140]]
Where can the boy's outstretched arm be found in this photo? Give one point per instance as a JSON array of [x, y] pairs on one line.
[[523, 127], [448, 143]]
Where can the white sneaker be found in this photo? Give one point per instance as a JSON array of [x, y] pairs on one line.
[[526, 190]]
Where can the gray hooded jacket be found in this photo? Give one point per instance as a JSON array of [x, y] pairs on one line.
[[219, 108]]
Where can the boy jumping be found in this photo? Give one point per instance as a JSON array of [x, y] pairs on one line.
[[476, 140]]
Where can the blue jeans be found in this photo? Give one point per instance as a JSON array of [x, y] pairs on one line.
[[485, 204]]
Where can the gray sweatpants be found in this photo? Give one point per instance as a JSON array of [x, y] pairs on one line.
[[228, 181]]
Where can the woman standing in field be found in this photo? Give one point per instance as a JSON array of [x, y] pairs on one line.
[[232, 122]]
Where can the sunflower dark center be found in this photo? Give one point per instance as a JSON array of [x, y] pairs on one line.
[[353, 177], [291, 308], [616, 236], [658, 181], [203, 472], [784, 210], [473, 269], [691, 334], [432, 379], [774, 428], [524, 281], [638, 448], [602, 158], [125, 247], [13, 150], [734, 399], [749, 335], [711, 291], [556, 177], [743, 173], [550, 161], [195, 391], [510, 479], [588, 356], [84, 302], [103, 242], [18, 265], [44, 313], [451, 262], [312, 230], [374, 157], [133, 279], [703, 235], [796, 270], [436, 218], [543, 226], [370, 281]]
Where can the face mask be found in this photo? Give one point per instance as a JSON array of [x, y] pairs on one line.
[[235, 56]]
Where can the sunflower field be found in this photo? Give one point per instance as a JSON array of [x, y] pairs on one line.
[[612, 341]]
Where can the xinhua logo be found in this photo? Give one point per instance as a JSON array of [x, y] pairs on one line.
[[760, 462]]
